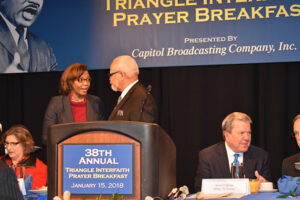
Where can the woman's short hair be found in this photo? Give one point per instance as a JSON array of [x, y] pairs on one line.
[[227, 122], [73, 72], [23, 136]]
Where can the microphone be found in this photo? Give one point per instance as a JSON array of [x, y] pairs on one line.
[[173, 191], [149, 88], [182, 192], [67, 195], [36, 148]]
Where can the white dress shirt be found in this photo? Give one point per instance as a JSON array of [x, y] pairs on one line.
[[230, 155], [127, 89]]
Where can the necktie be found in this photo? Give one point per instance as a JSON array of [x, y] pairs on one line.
[[22, 49], [237, 167], [236, 161]]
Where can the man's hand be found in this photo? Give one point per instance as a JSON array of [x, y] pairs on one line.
[[259, 177], [13, 67]]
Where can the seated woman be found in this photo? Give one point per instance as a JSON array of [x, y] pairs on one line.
[[19, 144]]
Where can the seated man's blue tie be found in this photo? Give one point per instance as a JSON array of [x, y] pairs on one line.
[[236, 161], [236, 173]]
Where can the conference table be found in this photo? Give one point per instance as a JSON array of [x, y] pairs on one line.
[[263, 196], [259, 196]]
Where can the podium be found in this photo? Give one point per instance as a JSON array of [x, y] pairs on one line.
[[133, 159]]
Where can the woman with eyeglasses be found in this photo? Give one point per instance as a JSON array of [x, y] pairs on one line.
[[19, 144], [74, 104]]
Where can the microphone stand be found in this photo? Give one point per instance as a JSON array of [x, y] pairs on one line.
[[149, 88]]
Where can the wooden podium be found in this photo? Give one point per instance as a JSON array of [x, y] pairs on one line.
[[151, 155]]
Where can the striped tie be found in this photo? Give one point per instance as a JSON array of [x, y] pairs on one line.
[[22, 49]]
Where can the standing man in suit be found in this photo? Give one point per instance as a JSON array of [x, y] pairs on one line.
[[135, 102], [215, 161], [288, 164], [21, 50]]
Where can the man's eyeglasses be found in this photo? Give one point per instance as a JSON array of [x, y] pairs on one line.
[[294, 134], [12, 144], [81, 80], [111, 74]]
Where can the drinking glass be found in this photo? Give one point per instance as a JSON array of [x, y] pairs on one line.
[[237, 171]]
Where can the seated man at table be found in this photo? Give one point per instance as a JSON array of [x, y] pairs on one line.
[[288, 164], [215, 161]]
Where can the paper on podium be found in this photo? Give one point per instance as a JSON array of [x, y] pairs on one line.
[[237, 186], [201, 195]]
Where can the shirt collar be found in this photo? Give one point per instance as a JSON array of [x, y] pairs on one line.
[[12, 29], [230, 152], [128, 88]]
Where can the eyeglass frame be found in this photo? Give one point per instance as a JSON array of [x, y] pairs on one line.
[[12, 144], [295, 134], [81, 80], [111, 74]]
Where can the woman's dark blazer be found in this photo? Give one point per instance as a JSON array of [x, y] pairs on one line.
[[59, 110]]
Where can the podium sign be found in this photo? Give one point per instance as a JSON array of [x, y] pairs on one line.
[[133, 159], [95, 169]]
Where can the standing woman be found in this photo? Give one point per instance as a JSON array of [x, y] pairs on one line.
[[74, 104]]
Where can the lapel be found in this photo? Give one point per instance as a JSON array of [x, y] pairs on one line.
[[33, 47], [6, 38], [89, 109], [223, 161], [124, 100], [68, 116], [249, 164]]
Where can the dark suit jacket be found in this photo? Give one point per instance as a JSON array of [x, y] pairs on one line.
[[41, 55], [213, 163], [137, 105], [59, 110], [9, 187], [288, 166]]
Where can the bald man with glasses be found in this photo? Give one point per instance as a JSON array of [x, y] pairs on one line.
[[135, 102]]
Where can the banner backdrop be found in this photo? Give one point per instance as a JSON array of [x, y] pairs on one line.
[[160, 33]]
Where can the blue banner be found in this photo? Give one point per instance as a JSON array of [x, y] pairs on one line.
[[98, 169], [161, 33]]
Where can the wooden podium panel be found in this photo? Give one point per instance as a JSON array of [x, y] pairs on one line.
[[103, 137], [153, 156]]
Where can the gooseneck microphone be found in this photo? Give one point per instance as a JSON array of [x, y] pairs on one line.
[[148, 90]]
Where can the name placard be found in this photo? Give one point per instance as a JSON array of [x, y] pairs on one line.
[[239, 186], [100, 168]]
